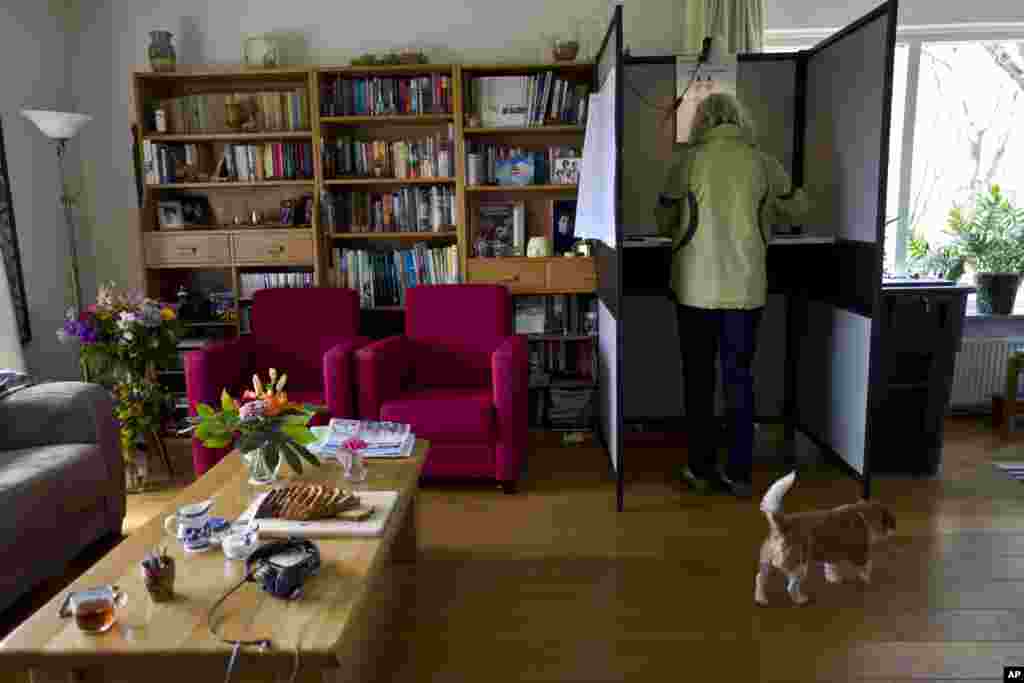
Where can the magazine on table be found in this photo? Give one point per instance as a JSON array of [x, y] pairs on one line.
[[383, 439]]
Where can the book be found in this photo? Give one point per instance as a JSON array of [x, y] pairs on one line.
[[496, 226], [501, 101]]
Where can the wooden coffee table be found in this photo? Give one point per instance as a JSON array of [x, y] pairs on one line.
[[338, 627]]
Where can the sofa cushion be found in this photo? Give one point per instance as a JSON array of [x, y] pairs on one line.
[[70, 477], [445, 414]]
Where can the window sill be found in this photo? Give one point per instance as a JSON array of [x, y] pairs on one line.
[[979, 316]]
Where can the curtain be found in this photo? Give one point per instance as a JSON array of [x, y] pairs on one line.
[[740, 22], [10, 340]]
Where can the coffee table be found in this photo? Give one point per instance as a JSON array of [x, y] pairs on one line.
[[338, 627]]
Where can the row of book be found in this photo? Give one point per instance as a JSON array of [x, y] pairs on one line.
[[535, 100], [377, 96], [505, 165], [424, 158], [422, 208], [382, 277], [248, 283], [268, 161], [562, 314], [165, 163], [552, 361], [262, 111]]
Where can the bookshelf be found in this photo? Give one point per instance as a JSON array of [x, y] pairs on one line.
[[283, 121]]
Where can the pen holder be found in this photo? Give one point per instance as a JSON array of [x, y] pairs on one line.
[[159, 579]]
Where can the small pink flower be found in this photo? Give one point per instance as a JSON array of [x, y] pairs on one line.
[[354, 444]]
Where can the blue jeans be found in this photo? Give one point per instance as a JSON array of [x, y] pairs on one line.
[[702, 332]]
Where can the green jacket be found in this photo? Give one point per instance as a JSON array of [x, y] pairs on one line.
[[721, 198]]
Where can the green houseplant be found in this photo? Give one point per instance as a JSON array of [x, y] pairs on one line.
[[990, 235], [945, 262]]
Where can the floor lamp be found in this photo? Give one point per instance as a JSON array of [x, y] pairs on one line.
[[60, 127]]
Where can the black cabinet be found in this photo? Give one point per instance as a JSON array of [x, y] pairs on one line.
[[920, 333]]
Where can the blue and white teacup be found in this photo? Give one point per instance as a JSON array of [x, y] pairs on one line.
[[192, 516]]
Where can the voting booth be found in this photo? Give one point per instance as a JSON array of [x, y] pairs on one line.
[[824, 114]]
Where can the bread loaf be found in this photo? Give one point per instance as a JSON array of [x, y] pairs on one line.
[[306, 502]]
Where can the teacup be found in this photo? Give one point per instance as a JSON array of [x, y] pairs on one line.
[[189, 517], [94, 610]]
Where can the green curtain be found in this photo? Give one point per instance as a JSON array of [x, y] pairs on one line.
[[741, 22]]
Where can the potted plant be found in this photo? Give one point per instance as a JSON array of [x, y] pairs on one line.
[[991, 238], [266, 427], [944, 262]]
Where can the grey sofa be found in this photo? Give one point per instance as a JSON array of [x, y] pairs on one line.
[[61, 480]]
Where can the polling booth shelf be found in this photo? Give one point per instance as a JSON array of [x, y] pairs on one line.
[[824, 113]]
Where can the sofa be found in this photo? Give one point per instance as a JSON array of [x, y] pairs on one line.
[[61, 480], [310, 334], [459, 376]]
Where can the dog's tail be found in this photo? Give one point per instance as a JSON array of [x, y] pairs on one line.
[[771, 504]]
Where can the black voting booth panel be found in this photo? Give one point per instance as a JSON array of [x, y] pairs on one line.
[[608, 260], [824, 114]]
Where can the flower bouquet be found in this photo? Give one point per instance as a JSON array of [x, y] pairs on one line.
[[266, 427], [123, 338], [123, 333]]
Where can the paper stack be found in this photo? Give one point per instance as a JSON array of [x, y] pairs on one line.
[[383, 439]]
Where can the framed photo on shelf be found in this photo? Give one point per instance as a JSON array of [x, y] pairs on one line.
[[563, 224], [195, 211], [566, 171], [171, 214]]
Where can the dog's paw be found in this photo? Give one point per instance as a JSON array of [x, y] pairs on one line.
[[800, 599], [761, 602]]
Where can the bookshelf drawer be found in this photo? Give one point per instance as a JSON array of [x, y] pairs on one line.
[[162, 250], [571, 275], [266, 248], [518, 273]]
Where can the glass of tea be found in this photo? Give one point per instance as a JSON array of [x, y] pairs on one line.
[[94, 610]]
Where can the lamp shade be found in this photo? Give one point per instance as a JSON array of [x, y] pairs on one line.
[[57, 125]]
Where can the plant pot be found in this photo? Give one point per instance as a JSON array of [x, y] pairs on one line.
[[997, 292], [260, 472]]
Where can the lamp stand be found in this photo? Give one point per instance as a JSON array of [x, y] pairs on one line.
[[66, 202]]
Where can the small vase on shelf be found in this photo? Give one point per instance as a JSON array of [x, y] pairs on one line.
[[162, 56], [260, 471]]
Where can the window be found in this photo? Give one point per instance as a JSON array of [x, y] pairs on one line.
[[957, 126]]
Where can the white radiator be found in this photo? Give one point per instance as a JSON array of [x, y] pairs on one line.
[[980, 370]]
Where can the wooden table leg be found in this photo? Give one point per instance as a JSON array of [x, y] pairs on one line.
[[406, 543]]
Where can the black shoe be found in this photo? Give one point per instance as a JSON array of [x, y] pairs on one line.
[[738, 488], [697, 482]]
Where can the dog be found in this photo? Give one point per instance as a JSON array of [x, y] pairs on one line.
[[841, 535]]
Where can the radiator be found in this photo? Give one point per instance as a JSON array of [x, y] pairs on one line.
[[980, 370]]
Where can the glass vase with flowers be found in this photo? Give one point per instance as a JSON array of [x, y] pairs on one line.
[[265, 426]]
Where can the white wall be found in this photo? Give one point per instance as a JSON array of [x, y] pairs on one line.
[[32, 50], [790, 14]]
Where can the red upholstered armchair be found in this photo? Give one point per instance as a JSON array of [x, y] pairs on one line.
[[311, 334], [459, 376]]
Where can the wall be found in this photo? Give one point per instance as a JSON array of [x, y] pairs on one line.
[[32, 48], [114, 37], [792, 14]]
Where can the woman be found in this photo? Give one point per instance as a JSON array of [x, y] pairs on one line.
[[720, 201]]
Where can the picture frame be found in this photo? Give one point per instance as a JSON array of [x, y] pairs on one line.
[[562, 213], [171, 215], [195, 211], [566, 171], [9, 250]]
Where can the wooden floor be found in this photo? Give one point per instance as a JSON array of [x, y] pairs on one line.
[[553, 585]]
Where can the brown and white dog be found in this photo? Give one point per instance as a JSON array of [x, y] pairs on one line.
[[841, 535]]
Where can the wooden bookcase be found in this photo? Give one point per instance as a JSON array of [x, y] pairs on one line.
[[219, 254], [552, 275]]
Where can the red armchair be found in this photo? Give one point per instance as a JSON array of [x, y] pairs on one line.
[[311, 334], [459, 376]]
